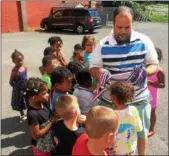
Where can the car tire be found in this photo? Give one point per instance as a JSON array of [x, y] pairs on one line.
[[46, 27], [91, 30], [80, 29]]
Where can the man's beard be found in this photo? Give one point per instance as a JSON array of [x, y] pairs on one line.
[[121, 42]]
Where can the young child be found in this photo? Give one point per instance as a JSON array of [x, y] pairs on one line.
[[49, 63], [67, 130], [17, 81], [74, 67], [78, 56], [57, 43], [130, 122], [88, 44], [101, 127], [49, 51], [41, 70], [154, 82], [77, 47], [83, 91], [61, 79], [39, 117]]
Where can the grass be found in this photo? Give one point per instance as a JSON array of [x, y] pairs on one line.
[[158, 6], [156, 17], [158, 13]]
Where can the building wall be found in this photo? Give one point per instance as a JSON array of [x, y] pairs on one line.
[[36, 10], [10, 17]]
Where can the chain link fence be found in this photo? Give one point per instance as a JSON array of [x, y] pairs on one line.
[[106, 15]]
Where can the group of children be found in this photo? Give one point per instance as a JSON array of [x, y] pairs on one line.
[[62, 116]]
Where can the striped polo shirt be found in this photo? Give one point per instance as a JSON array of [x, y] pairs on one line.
[[122, 60]]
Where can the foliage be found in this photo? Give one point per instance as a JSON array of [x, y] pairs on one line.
[[146, 10], [138, 9], [156, 17]]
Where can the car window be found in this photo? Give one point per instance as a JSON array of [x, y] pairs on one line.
[[55, 9], [94, 13], [66, 13], [58, 13], [80, 13]]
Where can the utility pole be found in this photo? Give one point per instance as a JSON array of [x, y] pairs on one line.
[[24, 20], [90, 4]]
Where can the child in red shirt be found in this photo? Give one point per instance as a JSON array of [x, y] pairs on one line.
[[101, 127]]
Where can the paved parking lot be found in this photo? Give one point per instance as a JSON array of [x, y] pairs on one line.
[[15, 135]]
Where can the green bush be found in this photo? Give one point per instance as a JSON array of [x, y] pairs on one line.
[[138, 9], [156, 17], [146, 9]]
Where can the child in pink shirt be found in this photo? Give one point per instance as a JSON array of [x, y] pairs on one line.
[[155, 82]]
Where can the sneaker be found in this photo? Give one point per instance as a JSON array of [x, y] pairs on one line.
[[151, 133], [23, 118]]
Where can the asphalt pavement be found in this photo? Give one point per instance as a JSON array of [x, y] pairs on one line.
[[15, 138]]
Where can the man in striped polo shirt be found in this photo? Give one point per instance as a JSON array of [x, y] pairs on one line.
[[129, 56]]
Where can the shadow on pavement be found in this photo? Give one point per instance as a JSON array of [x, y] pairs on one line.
[[19, 141], [66, 32], [12, 125], [22, 152], [21, 137]]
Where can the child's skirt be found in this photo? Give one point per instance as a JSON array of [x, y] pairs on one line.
[[36, 152], [18, 101], [154, 92]]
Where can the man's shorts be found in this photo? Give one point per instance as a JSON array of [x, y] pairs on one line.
[[144, 109], [105, 103]]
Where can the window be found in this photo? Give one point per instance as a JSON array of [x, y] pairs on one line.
[[67, 13], [93, 13], [79, 13], [58, 14]]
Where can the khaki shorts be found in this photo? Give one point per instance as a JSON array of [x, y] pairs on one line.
[[105, 103]]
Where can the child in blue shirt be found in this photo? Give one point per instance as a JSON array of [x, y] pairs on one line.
[[88, 44], [61, 79]]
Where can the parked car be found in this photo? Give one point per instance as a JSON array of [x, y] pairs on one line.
[[78, 19]]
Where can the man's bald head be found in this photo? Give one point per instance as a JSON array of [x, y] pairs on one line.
[[123, 11], [122, 25]]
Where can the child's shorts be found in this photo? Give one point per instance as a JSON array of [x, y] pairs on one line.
[[36, 152], [144, 109]]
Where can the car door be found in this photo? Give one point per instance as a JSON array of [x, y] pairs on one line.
[[60, 19], [79, 16], [67, 14], [57, 19]]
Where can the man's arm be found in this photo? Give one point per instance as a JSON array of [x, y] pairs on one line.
[[96, 62], [151, 61], [151, 69], [96, 57]]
